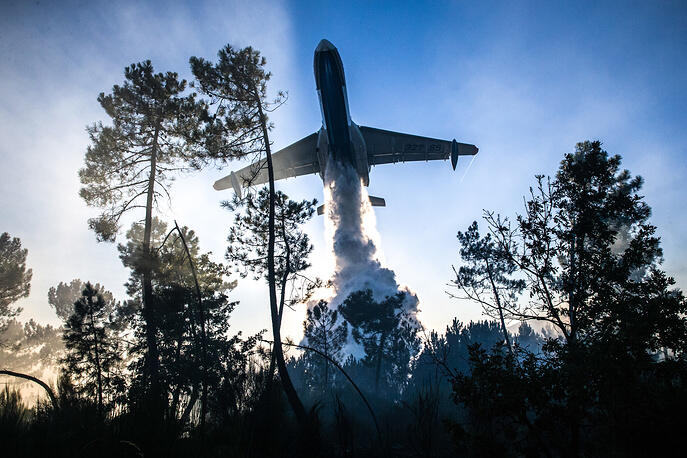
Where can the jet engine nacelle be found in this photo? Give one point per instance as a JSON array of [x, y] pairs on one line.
[[359, 153], [322, 150]]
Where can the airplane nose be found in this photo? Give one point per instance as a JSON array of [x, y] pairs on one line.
[[325, 45]]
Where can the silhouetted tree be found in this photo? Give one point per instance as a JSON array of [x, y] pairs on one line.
[[323, 331], [248, 242], [14, 416], [93, 353], [15, 278], [508, 396], [197, 368], [175, 307], [237, 86], [63, 296], [583, 238], [195, 287], [444, 355], [387, 332], [248, 245], [589, 258], [528, 338], [129, 165], [485, 275]]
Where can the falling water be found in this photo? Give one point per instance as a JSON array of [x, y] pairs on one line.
[[355, 243]]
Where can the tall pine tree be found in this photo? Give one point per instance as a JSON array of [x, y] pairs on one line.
[[129, 166], [237, 86]]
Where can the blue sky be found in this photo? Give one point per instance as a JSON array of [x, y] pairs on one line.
[[522, 80]]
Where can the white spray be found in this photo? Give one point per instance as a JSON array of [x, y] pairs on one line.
[[351, 227]]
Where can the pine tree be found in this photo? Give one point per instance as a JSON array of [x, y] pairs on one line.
[[323, 331], [15, 278], [590, 262], [200, 364], [387, 332], [248, 243], [237, 86], [249, 246], [93, 354], [485, 275], [582, 246], [130, 164]]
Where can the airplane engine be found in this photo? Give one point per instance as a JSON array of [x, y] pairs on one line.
[[322, 150], [359, 153]]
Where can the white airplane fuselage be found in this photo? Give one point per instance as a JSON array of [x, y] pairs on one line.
[[339, 138]]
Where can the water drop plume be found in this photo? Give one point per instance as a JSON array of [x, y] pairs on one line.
[[355, 243]]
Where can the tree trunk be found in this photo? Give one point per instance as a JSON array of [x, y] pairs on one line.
[[282, 296], [277, 350], [177, 390], [573, 300], [497, 298], [572, 286], [152, 361], [189, 407]]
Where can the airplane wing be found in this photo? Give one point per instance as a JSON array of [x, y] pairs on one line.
[[387, 147], [299, 158]]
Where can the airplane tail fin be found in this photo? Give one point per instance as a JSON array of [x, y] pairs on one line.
[[375, 201]]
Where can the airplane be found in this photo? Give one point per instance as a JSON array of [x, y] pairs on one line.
[[343, 140]]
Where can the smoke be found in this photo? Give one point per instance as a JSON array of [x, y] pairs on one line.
[[355, 242]]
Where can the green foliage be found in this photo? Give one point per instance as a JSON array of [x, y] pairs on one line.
[[13, 413], [30, 347], [528, 339], [15, 419], [323, 331], [93, 354], [510, 397], [248, 236], [168, 261], [387, 332], [583, 239], [129, 165], [222, 374], [279, 255], [237, 88], [15, 279], [589, 258], [485, 276], [149, 139]]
